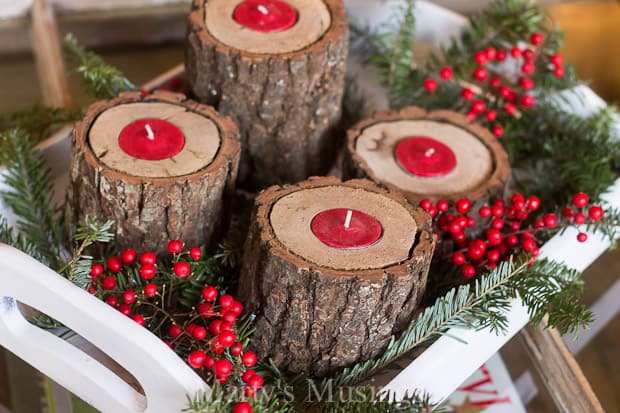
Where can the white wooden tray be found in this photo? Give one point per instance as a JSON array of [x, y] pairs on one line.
[[165, 378]]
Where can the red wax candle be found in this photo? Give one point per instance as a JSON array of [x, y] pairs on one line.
[[265, 15], [346, 228], [151, 139], [425, 157]]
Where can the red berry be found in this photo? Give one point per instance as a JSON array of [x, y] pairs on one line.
[[227, 338], [112, 301], [150, 290], [147, 271], [580, 218], [199, 333], [528, 67], [226, 326], [95, 271], [148, 258], [467, 94], [182, 269], [190, 328], [506, 93], [480, 74], [426, 205], [138, 319], [529, 244], [242, 407], [226, 301], [430, 85], [498, 130], [559, 72], [537, 39], [550, 220], [175, 331], [493, 255], [175, 246], [478, 106], [463, 205], [125, 309], [114, 264], [129, 296], [515, 52], [471, 115], [256, 382], [446, 73], [497, 223], [92, 290], [468, 271], [557, 60], [498, 211], [494, 236], [528, 54], [223, 368], [249, 359], [195, 253], [485, 212], [501, 55], [128, 256], [458, 258], [206, 310], [108, 283], [236, 308], [527, 101], [512, 240], [209, 362], [491, 115], [481, 58], [443, 205], [510, 108], [568, 213], [235, 349], [475, 253], [454, 227], [491, 53], [582, 237], [247, 375], [209, 293], [196, 358], [526, 83], [215, 327], [533, 203], [518, 201], [495, 82], [595, 213], [580, 200]]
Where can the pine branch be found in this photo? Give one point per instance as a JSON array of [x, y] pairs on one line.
[[38, 121], [10, 237], [31, 195], [100, 80]]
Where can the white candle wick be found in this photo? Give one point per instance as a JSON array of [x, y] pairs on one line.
[[149, 132], [264, 10], [429, 152], [347, 220]]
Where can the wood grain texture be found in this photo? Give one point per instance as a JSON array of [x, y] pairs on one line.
[[48, 56], [560, 372], [355, 166], [286, 105], [317, 319], [148, 212]]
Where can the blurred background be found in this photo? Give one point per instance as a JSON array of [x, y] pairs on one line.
[[144, 38]]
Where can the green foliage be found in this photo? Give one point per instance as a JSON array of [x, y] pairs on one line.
[[10, 237], [221, 400], [30, 195], [37, 121], [100, 80]]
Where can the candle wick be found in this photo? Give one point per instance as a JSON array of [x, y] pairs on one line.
[[264, 10], [149, 132], [347, 220], [429, 152]]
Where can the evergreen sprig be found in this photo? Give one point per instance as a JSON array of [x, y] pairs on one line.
[[99, 80], [31, 195], [38, 121], [10, 237]]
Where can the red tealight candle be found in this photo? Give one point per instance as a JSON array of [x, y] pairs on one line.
[[265, 15], [425, 157], [151, 139], [346, 228]]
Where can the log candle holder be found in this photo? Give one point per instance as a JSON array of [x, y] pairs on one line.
[[332, 270], [436, 155], [277, 67], [160, 166]]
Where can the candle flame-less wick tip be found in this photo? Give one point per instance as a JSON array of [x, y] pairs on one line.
[[264, 10], [347, 220], [149, 132], [429, 152]]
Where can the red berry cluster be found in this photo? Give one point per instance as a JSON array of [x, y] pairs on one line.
[[176, 84], [146, 289], [502, 229], [495, 98]]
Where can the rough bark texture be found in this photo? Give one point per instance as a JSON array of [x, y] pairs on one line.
[[315, 319], [148, 212], [286, 105], [354, 166]]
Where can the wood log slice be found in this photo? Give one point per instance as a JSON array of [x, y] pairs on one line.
[[184, 196], [283, 89], [482, 167], [321, 308]]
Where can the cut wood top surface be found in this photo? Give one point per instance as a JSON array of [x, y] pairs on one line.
[[313, 16], [377, 143], [292, 215], [202, 139]]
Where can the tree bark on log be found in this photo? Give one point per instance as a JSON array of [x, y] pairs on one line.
[[494, 183], [149, 211], [286, 105], [317, 319]]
